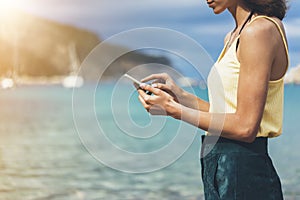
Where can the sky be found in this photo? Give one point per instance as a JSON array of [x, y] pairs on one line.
[[190, 17]]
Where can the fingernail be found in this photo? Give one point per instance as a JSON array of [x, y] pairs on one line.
[[154, 85], [142, 85]]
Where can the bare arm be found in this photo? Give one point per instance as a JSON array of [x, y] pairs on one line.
[[256, 54], [258, 45], [194, 102]]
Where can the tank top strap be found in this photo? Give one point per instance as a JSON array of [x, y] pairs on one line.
[[243, 26], [279, 29]]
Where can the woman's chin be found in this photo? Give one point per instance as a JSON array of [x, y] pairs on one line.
[[217, 11]]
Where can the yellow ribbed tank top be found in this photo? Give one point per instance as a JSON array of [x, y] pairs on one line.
[[223, 85]]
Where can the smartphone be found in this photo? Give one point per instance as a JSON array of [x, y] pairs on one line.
[[133, 79], [136, 81]]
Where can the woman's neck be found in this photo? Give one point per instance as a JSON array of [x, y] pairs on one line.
[[239, 14]]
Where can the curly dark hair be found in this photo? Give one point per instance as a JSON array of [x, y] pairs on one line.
[[271, 8]]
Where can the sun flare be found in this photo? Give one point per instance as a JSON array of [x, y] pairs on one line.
[[4, 4], [9, 5]]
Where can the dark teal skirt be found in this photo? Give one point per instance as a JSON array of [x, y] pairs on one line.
[[236, 170]]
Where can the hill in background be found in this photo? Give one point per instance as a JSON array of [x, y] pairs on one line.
[[35, 47]]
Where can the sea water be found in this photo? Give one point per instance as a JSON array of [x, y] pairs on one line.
[[42, 155]]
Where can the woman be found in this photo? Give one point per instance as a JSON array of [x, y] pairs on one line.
[[251, 68]]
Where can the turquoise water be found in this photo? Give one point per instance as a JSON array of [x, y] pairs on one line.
[[42, 156]]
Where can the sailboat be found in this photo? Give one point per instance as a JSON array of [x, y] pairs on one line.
[[73, 80], [7, 83], [10, 79]]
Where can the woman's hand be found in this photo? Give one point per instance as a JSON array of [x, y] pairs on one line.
[[164, 82], [159, 103]]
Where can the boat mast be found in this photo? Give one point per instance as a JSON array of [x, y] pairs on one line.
[[74, 60]]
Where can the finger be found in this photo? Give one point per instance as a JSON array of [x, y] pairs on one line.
[[145, 96], [165, 88], [155, 81], [141, 92], [161, 86], [162, 76], [144, 104], [151, 89]]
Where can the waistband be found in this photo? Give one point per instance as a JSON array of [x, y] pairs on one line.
[[215, 144]]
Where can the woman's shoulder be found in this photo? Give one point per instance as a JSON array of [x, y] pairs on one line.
[[263, 27], [267, 22]]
